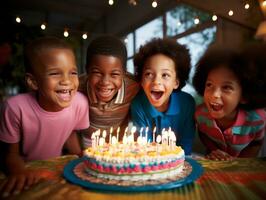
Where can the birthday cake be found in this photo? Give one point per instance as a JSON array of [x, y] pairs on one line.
[[134, 160]]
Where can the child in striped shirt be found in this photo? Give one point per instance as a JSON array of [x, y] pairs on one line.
[[231, 122]]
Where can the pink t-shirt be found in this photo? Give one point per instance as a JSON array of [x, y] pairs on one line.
[[42, 133]]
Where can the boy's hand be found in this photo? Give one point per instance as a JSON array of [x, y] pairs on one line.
[[15, 183], [219, 155]]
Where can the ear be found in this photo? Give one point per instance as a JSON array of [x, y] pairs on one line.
[[31, 81], [176, 84]]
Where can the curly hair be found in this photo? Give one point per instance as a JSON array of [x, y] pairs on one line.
[[242, 64], [170, 48], [107, 45]]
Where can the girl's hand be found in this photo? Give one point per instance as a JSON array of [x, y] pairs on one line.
[[219, 155], [15, 183]]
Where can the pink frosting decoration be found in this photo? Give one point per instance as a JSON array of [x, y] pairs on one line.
[[128, 170], [137, 168]]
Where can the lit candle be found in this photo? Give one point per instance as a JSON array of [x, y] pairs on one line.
[[117, 133], [110, 135], [146, 133], [133, 130], [104, 134], [140, 132], [153, 137], [93, 137]]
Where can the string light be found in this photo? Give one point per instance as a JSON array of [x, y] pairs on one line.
[[66, 34], [214, 18], [196, 20], [247, 6], [132, 2], [84, 36], [18, 19], [111, 2], [154, 4], [230, 13], [43, 26]]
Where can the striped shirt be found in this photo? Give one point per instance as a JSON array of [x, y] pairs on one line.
[[112, 114], [248, 127]]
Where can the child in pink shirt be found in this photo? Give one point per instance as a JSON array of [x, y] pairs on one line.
[[37, 125]]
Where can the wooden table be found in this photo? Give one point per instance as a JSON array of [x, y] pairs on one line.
[[237, 179]]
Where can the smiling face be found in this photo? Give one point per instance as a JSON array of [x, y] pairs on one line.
[[55, 78], [159, 80], [105, 77], [222, 94]]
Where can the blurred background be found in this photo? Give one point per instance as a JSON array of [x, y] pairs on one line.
[[196, 24]]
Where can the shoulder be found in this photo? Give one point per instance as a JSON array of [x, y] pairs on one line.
[[139, 100], [184, 99], [201, 112], [255, 115], [21, 100], [131, 86]]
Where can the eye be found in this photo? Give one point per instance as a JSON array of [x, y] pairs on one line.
[[53, 73], [208, 85], [148, 75], [227, 88], [166, 75], [115, 74], [75, 73]]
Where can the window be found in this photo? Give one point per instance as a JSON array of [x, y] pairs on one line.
[[148, 31]]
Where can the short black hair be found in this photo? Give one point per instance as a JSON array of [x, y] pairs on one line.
[[170, 48], [107, 45], [35, 47]]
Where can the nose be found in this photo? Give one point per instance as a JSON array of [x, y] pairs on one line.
[[217, 93], [105, 79], [157, 80], [65, 79]]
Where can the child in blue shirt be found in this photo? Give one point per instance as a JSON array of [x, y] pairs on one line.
[[163, 67]]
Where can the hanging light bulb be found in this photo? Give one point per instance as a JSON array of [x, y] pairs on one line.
[[154, 4], [66, 34], [84, 36], [132, 2], [247, 6], [111, 2], [18, 20], [214, 18], [43, 26], [230, 13], [196, 20], [264, 3]]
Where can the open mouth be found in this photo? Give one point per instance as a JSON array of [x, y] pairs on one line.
[[216, 107], [105, 92], [156, 94], [64, 95]]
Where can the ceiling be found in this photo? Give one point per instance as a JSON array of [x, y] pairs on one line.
[[90, 16], [76, 15]]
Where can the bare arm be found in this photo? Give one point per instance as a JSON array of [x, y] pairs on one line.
[[72, 145], [19, 177]]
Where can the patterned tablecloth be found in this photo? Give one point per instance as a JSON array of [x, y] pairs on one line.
[[237, 179]]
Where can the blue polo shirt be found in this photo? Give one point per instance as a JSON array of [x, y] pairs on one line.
[[179, 116]]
